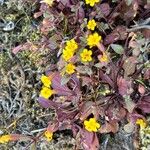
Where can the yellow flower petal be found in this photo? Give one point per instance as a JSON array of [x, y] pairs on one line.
[[91, 24], [67, 54], [46, 80], [46, 92], [69, 50], [70, 68], [88, 128], [71, 45], [86, 55], [97, 125], [92, 120], [141, 123], [48, 135], [91, 125], [85, 122], [104, 58], [94, 129], [5, 138], [49, 2], [93, 39], [91, 2]]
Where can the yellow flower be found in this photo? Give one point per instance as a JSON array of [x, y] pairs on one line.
[[91, 2], [86, 55], [46, 92], [70, 68], [91, 24], [5, 138], [71, 45], [93, 39], [49, 2], [48, 135], [104, 58], [46, 80], [141, 123], [67, 54], [91, 125], [69, 50]]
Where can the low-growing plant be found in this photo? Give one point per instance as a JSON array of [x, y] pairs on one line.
[[95, 85]]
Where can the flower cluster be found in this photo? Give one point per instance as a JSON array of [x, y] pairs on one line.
[[85, 55], [91, 2], [72, 54], [69, 50], [5, 138], [94, 39], [91, 125], [46, 91]]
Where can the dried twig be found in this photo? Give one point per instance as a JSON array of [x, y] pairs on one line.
[[138, 28], [144, 25]]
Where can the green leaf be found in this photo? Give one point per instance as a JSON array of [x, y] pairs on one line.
[[117, 48], [129, 128], [84, 70], [65, 80], [128, 2], [98, 65], [130, 105]]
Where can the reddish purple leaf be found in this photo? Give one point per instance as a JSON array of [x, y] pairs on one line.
[[65, 3], [17, 137], [65, 124], [64, 114], [89, 140], [48, 103], [75, 85], [115, 112], [25, 46], [81, 14], [128, 12], [86, 81], [146, 33], [53, 126], [15, 50], [124, 86], [86, 110], [111, 126], [141, 89], [129, 66], [134, 116], [146, 98], [147, 74], [144, 104], [37, 14], [119, 33], [105, 9], [60, 89], [106, 78], [145, 107], [62, 4]]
